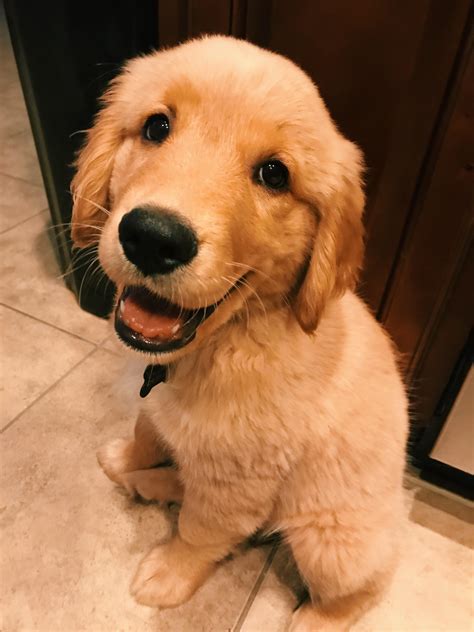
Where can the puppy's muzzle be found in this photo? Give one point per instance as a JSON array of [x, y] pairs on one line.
[[156, 240]]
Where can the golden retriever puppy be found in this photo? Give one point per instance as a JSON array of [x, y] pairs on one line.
[[228, 207]]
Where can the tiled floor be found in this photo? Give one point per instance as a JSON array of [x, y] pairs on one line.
[[70, 541]]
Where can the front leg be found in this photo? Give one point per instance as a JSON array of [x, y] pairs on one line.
[[172, 572], [212, 522]]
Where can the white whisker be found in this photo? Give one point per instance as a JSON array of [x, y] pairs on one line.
[[98, 206]]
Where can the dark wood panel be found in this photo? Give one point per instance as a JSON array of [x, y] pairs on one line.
[[259, 21], [448, 340], [210, 16], [436, 244], [238, 26], [179, 20], [173, 22], [389, 207]]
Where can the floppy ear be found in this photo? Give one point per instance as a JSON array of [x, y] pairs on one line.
[[338, 245], [90, 185]]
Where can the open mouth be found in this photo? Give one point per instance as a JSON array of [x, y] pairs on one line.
[[148, 322]]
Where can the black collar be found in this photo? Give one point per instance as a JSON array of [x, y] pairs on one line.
[[154, 374]]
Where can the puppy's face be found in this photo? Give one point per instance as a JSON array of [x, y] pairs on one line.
[[218, 184]]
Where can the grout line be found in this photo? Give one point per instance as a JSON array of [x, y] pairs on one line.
[[102, 347], [20, 179], [253, 593], [24, 180], [19, 131], [45, 322], [23, 221], [109, 351], [50, 388]]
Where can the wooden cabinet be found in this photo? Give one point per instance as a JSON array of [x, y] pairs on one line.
[[430, 301], [397, 77]]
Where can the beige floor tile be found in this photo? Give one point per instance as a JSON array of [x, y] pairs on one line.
[[8, 70], [113, 344], [30, 281], [19, 201], [445, 515], [13, 114], [28, 366], [71, 541], [18, 157], [431, 592]]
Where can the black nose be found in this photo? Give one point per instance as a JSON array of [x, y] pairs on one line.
[[156, 240]]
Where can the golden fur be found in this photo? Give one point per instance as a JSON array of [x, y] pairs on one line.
[[287, 411]]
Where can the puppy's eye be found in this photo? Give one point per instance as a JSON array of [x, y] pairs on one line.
[[156, 128], [273, 174]]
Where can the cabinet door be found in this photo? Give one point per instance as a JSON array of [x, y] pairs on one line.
[[430, 303], [382, 68]]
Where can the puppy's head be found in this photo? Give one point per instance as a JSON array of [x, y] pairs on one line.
[[216, 182]]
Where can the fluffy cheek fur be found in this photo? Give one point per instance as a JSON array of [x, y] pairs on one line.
[[261, 234]]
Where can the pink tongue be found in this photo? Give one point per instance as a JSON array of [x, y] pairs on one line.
[[147, 323]]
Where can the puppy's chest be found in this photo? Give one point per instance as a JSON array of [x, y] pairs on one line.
[[249, 428]]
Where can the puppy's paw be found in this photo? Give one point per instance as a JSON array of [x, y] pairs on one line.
[[114, 458], [169, 576]]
